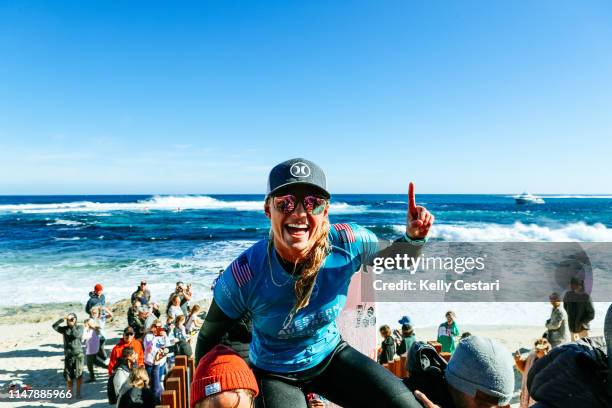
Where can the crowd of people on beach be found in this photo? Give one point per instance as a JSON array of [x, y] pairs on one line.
[[143, 355], [282, 296]]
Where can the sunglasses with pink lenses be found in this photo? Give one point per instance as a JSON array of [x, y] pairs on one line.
[[312, 204]]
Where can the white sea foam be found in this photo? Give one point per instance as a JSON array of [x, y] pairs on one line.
[[519, 232], [59, 221], [160, 203], [67, 280]]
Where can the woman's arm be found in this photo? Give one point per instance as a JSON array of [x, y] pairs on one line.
[[215, 326]]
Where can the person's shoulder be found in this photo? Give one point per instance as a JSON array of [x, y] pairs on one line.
[[342, 234]]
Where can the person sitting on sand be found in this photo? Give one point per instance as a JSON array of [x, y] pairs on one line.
[[128, 340], [542, 347], [73, 352], [223, 379], [295, 284], [557, 328], [447, 332], [91, 337], [125, 365], [480, 374], [387, 347], [138, 394]]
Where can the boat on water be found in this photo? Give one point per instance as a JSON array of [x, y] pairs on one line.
[[527, 198]]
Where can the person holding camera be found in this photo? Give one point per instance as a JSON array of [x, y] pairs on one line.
[[184, 293], [73, 352], [155, 351]]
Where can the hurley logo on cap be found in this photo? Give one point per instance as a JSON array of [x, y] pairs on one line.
[[300, 169]]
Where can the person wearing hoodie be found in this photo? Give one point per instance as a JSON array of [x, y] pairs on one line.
[[73, 351], [128, 340], [137, 393], [96, 298], [127, 362], [557, 327]]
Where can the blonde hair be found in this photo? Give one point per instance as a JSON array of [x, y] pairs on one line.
[[139, 378], [310, 265]]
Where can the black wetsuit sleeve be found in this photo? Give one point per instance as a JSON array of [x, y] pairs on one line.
[[215, 326]]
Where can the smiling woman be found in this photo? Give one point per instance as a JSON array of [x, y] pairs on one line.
[[294, 285]]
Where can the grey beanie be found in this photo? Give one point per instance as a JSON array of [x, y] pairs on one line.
[[480, 364]]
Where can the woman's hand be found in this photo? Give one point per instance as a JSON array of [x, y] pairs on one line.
[[418, 219]]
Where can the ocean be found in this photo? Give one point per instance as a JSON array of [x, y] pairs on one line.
[[55, 248]]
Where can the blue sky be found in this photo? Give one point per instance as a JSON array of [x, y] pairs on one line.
[[204, 97]]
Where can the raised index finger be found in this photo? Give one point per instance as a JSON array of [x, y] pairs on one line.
[[411, 201]]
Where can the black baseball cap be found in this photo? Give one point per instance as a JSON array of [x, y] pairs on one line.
[[297, 172]]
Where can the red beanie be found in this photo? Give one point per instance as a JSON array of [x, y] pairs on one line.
[[221, 369], [98, 287]]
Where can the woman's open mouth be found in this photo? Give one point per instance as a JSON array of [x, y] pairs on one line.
[[297, 230]]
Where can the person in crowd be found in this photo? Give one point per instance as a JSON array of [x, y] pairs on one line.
[[91, 337], [541, 348], [193, 322], [387, 347], [137, 394], [295, 284], [448, 332], [223, 379], [557, 330], [139, 321], [121, 372], [579, 307], [128, 340], [97, 298], [155, 351], [407, 336], [182, 294], [146, 293], [98, 318], [73, 352], [189, 295], [480, 374], [175, 309], [183, 348], [132, 313]]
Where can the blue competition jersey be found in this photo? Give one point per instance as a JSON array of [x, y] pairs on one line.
[[257, 282]]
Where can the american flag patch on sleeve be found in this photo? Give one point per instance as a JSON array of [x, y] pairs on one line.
[[242, 271], [345, 232]]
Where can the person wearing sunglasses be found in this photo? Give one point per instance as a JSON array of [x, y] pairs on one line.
[[128, 340], [294, 284]]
